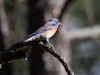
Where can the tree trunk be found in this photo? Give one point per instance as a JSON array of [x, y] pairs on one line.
[[36, 19]]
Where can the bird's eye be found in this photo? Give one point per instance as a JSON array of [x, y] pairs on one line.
[[50, 20]]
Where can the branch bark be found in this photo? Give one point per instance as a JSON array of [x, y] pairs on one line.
[[16, 51], [58, 56]]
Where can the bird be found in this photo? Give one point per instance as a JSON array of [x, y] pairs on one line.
[[46, 31]]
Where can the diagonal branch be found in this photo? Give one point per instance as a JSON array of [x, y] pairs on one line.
[[58, 56], [19, 51], [16, 51]]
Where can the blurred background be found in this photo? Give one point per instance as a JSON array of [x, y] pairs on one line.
[[78, 40]]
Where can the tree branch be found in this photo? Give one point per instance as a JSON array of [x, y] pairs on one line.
[[13, 53], [92, 32], [16, 51], [19, 51], [4, 25], [58, 56]]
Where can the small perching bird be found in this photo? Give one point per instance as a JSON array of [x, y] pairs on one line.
[[45, 32]]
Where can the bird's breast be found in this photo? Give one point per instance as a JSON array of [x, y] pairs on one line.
[[50, 33]]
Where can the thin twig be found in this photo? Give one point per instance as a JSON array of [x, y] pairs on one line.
[[58, 56]]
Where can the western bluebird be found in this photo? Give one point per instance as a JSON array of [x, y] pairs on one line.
[[46, 31]]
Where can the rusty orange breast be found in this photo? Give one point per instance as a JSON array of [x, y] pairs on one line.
[[50, 33]]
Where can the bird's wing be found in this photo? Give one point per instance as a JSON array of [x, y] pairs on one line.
[[46, 27]]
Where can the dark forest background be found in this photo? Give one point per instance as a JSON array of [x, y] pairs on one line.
[[78, 40]]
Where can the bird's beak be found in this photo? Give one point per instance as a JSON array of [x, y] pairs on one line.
[[60, 24]]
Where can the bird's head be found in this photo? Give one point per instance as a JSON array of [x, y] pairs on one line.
[[55, 20]]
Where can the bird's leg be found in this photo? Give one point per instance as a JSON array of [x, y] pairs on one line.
[[49, 45]]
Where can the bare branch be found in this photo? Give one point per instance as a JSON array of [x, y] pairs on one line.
[[4, 25], [58, 56], [19, 51], [92, 32], [16, 51]]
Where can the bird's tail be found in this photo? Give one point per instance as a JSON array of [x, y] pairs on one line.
[[33, 37]]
